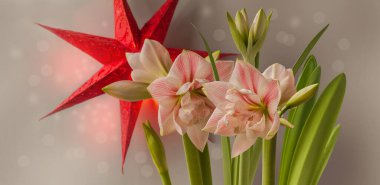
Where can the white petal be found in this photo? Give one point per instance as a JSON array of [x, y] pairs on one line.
[[155, 58], [134, 60], [143, 76]]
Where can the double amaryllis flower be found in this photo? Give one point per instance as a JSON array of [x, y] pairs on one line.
[[244, 104]]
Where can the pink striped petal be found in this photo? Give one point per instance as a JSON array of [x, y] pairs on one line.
[[224, 69], [216, 92], [197, 136], [212, 123], [189, 66], [245, 76], [166, 120], [164, 90], [271, 95], [241, 144]]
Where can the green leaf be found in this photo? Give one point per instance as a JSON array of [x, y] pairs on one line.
[[128, 90], [193, 161], [210, 54], [297, 116], [324, 158], [316, 132], [205, 166], [226, 151], [225, 141], [307, 50]]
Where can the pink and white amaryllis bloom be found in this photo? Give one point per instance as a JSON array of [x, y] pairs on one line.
[[246, 107], [285, 78], [182, 103]]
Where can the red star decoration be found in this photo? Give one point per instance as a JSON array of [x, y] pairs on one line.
[[111, 53]]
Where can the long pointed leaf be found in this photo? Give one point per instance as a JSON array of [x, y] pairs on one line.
[[316, 132], [310, 75], [307, 50], [324, 158]]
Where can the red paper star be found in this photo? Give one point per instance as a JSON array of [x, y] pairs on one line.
[[111, 53]]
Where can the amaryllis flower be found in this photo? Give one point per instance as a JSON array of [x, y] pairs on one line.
[[182, 103], [285, 78], [246, 107], [151, 63]]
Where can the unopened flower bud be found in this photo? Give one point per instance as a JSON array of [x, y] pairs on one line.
[[156, 148], [302, 96]]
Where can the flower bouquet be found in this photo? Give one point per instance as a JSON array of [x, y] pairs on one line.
[[200, 96]]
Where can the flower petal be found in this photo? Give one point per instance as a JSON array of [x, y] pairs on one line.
[[271, 96], [245, 76], [216, 92], [285, 78], [189, 66], [134, 60], [155, 58], [241, 144], [164, 90], [225, 69], [273, 126], [212, 123], [128, 90], [139, 75], [166, 120], [197, 136]]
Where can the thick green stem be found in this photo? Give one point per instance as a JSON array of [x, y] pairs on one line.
[[269, 161], [226, 150], [206, 166], [257, 60], [236, 173], [165, 178], [255, 151], [244, 168], [193, 161]]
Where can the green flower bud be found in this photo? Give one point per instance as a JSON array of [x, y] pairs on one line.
[[128, 90], [302, 96], [242, 24], [259, 25], [156, 148], [249, 38]]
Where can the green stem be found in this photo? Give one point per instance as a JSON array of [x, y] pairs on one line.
[[257, 60], [206, 166], [244, 168], [193, 161], [226, 150], [236, 173], [255, 151], [269, 161], [165, 178]]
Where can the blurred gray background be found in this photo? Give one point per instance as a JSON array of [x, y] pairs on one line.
[[81, 146]]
